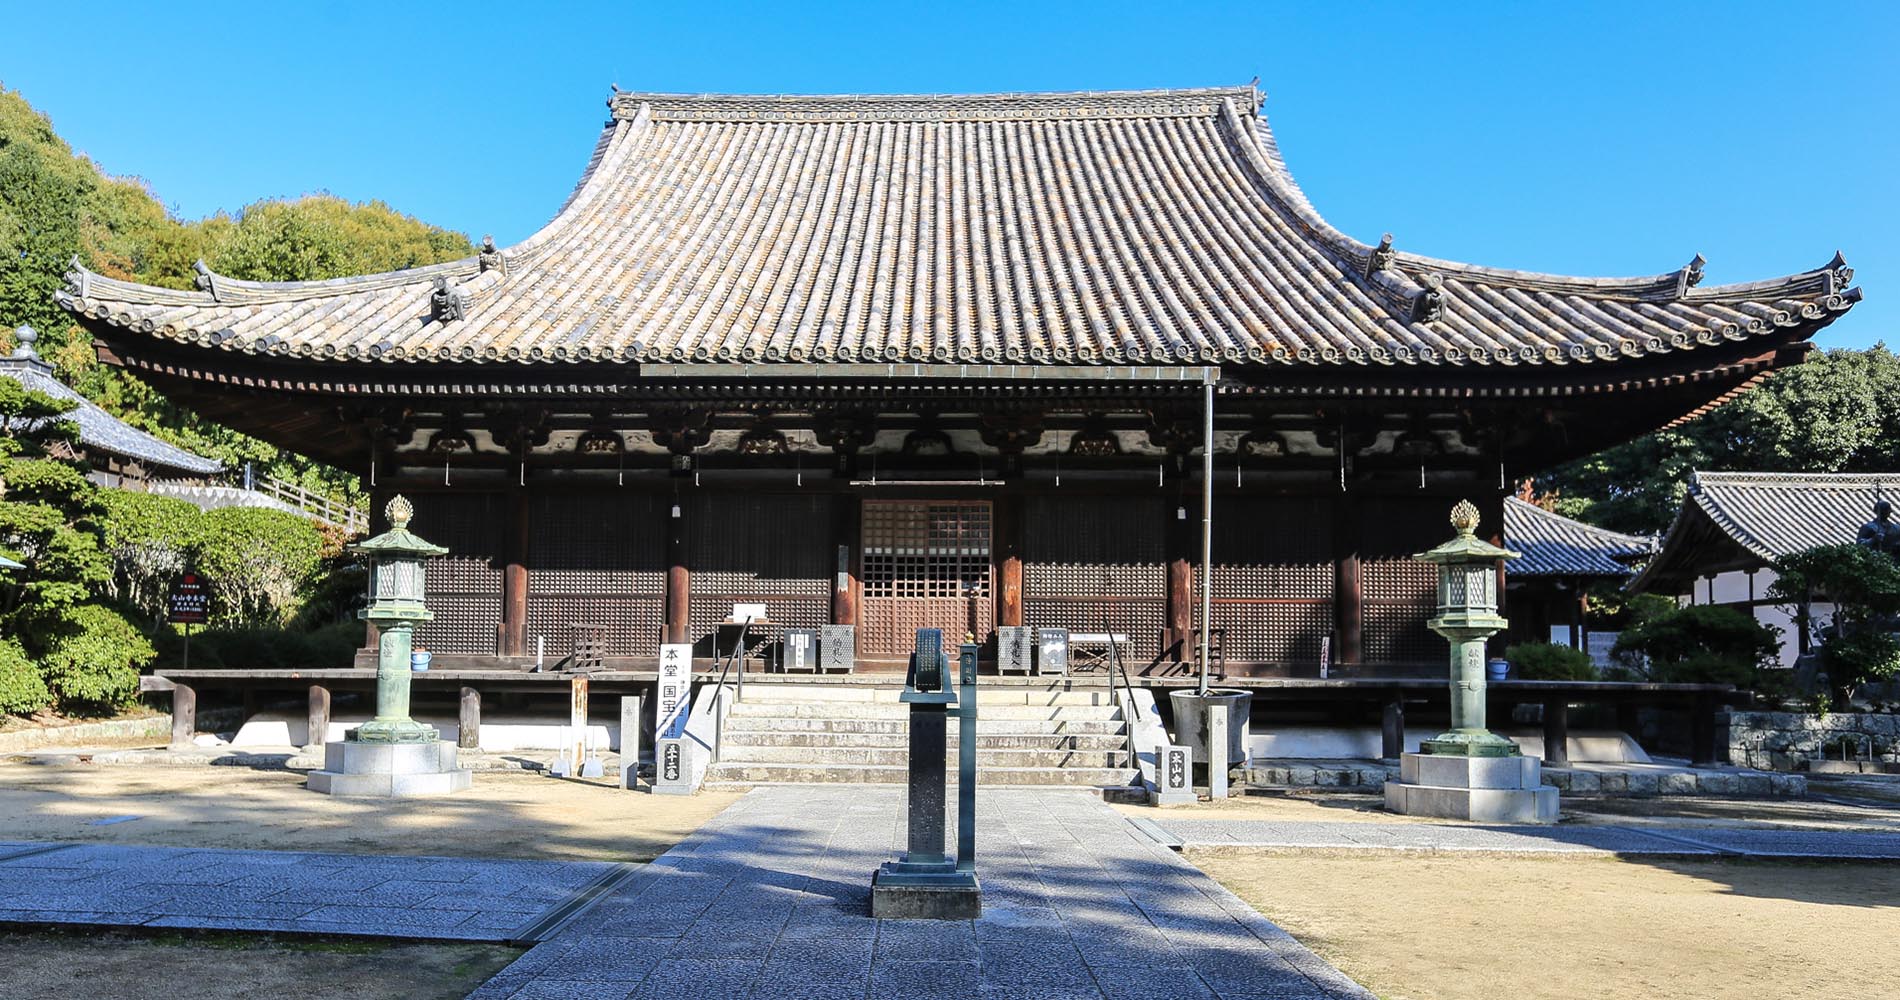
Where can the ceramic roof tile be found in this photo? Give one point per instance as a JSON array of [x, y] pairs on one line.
[[1554, 545], [99, 430], [1766, 514], [1083, 228]]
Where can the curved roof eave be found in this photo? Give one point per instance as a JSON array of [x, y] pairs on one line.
[[1205, 253]]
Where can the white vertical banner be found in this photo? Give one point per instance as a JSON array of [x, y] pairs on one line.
[[676, 684]]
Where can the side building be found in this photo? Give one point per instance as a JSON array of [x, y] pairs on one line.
[[893, 362], [1733, 525]]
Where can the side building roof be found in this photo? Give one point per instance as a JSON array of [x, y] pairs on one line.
[[98, 430], [1068, 229], [1740, 520], [1552, 545]]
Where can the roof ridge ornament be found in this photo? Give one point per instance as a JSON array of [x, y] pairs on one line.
[[1429, 305], [1690, 275], [206, 279], [1380, 258], [490, 258], [23, 339], [78, 277], [1838, 273], [447, 304]]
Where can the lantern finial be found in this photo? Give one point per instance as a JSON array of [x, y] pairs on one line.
[[1464, 517], [399, 511]]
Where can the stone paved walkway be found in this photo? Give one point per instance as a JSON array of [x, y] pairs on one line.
[[1753, 842], [770, 900], [402, 897]]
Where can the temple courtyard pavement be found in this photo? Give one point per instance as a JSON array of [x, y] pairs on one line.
[[120, 881]]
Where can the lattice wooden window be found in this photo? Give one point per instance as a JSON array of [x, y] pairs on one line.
[[464, 587], [1273, 579], [1399, 592], [1097, 564], [926, 564], [771, 549], [598, 559]]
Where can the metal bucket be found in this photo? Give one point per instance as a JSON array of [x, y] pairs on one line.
[[1190, 721]]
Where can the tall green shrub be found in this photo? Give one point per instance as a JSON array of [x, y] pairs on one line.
[[93, 656], [22, 690], [1547, 661], [151, 539], [1702, 643], [258, 564]]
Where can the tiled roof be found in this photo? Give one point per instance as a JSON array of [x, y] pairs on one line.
[[1149, 227], [1554, 545], [99, 430], [1767, 515]]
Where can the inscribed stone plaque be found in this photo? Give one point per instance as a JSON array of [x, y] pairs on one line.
[[1217, 751], [1174, 769], [676, 682], [800, 650], [1015, 649], [838, 647], [1052, 651]]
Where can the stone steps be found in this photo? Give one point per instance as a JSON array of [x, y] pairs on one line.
[[732, 773], [765, 694], [897, 756], [984, 727], [895, 711], [899, 739], [1054, 734]]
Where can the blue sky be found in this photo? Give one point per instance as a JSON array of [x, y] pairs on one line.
[[1584, 138]]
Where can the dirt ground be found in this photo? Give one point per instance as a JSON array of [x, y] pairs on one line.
[[1348, 807], [110, 965], [505, 815], [1444, 927]]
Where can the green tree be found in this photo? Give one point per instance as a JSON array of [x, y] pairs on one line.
[[85, 654], [1836, 412], [259, 563], [55, 204], [1858, 644]]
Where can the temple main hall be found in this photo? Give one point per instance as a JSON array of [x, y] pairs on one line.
[[894, 362]]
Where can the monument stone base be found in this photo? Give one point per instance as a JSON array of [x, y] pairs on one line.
[[389, 770], [902, 891], [1483, 789]]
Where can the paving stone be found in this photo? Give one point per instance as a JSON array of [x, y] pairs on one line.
[[699, 979], [924, 980]]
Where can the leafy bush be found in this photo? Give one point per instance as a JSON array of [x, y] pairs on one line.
[[93, 656], [1864, 587], [22, 691], [151, 539], [1547, 661], [257, 562], [1702, 643]]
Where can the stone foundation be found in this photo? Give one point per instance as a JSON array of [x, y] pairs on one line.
[[1782, 741], [389, 770]]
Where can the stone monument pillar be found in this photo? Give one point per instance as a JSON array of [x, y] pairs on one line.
[[927, 883], [392, 754], [1469, 772]]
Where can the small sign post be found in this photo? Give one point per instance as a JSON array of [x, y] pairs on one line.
[[1173, 777], [190, 604], [676, 681]]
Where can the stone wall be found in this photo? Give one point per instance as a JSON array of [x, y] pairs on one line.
[[1776, 740]]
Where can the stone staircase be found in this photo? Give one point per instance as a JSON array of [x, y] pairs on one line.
[[1045, 733]]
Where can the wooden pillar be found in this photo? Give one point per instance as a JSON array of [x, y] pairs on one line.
[[1008, 538], [468, 734], [184, 715], [846, 535], [1179, 532], [1556, 732], [319, 716], [514, 578], [1348, 584], [678, 624], [1392, 732]]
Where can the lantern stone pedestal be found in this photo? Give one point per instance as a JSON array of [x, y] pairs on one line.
[[392, 755], [1469, 772]]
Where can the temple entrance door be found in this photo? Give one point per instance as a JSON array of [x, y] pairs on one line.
[[926, 565]]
